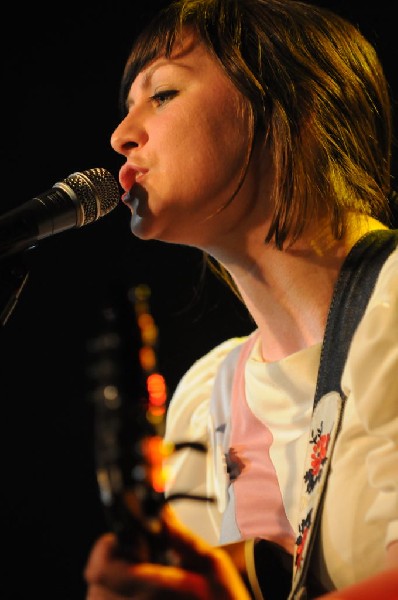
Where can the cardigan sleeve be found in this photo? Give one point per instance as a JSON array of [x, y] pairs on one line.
[[372, 377], [188, 420]]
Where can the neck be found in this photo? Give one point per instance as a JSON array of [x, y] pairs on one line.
[[288, 293]]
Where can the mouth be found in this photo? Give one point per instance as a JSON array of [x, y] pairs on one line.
[[134, 196], [126, 198], [129, 175]]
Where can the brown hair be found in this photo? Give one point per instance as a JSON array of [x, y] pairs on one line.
[[317, 91]]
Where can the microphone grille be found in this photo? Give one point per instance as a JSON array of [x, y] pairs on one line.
[[97, 192]]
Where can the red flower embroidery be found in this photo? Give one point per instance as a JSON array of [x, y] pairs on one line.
[[302, 538], [319, 453], [320, 443]]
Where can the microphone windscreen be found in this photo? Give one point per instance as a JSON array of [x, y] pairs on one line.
[[96, 190]]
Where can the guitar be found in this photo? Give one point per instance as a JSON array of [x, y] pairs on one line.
[[130, 401]]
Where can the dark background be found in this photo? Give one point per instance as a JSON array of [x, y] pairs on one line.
[[61, 71]]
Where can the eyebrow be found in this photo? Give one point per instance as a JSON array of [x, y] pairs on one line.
[[147, 76], [150, 71], [166, 62]]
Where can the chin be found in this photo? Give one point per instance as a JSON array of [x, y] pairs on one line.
[[138, 229], [143, 228]]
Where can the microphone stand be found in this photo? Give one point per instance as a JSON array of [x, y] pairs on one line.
[[14, 273]]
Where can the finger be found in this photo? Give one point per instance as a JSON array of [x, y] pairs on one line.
[[112, 578], [105, 568], [198, 556], [150, 581], [101, 552], [189, 546], [165, 582], [98, 592], [192, 551]]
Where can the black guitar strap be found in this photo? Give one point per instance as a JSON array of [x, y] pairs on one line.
[[352, 292]]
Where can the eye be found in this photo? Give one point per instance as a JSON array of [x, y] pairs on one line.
[[160, 98]]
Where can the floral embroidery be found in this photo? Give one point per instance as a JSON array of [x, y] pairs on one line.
[[302, 538], [320, 443]]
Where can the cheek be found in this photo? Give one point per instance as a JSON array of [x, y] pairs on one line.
[[227, 147], [213, 145]]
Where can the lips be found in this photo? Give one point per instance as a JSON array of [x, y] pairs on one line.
[[126, 198], [129, 174]]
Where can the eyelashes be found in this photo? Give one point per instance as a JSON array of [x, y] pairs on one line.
[[161, 98]]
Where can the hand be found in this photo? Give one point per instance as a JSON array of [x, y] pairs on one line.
[[197, 571], [383, 585]]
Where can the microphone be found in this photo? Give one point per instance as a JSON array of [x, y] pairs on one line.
[[78, 200]]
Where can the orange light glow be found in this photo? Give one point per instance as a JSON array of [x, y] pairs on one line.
[[156, 451], [156, 387], [147, 358]]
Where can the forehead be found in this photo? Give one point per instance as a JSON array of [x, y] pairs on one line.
[[189, 54], [184, 54]]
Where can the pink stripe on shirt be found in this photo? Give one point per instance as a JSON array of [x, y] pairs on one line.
[[258, 499]]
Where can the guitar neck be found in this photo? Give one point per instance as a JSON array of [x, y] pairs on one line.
[[130, 397]]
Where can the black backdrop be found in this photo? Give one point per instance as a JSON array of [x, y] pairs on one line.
[[62, 67]]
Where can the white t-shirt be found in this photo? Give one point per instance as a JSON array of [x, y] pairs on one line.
[[360, 515]]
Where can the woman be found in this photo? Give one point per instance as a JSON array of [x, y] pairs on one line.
[[259, 131]]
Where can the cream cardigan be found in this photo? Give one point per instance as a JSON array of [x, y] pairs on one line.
[[360, 515]]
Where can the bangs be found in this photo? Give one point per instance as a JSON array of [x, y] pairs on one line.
[[214, 22], [155, 41]]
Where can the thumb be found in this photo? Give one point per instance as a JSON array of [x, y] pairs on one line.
[[191, 552]]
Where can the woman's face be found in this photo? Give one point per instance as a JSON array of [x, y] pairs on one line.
[[185, 139]]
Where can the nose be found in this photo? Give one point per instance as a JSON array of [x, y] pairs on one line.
[[128, 135]]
